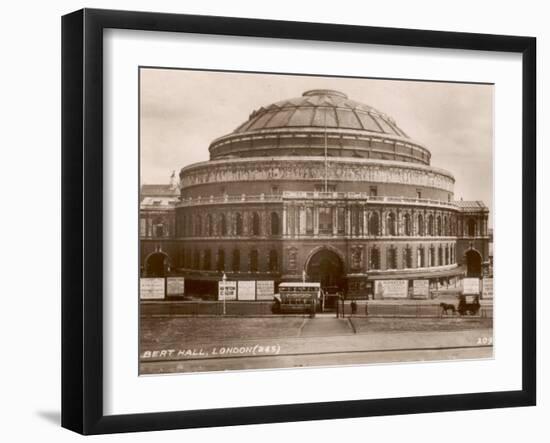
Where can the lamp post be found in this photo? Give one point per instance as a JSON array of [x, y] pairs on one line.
[[224, 278]]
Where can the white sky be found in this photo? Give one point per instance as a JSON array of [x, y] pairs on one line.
[[183, 111]]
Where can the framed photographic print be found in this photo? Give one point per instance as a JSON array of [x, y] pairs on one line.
[[273, 221]]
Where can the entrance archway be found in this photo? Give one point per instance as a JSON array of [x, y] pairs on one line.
[[473, 263], [156, 264], [326, 267]]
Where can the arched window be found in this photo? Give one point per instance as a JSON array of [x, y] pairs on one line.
[[391, 258], [207, 261], [374, 224], [221, 260], [236, 264], [253, 260], [407, 258], [431, 225], [420, 257], [407, 223], [440, 255], [273, 261], [275, 224], [421, 230], [238, 224], [196, 260], [471, 228], [223, 225], [209, 226], [255, 224], [374, 259], [390, 224], [439, 232]]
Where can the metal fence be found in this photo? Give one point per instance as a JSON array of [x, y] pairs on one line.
[[263, 308], [408, 309], [192, 308]]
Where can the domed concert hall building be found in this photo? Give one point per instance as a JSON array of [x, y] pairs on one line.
[[319, 188]]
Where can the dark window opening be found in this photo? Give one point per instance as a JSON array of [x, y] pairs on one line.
[[236, 264], [254, 260]]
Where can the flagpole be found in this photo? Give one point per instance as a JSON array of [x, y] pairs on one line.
[[326, 154]]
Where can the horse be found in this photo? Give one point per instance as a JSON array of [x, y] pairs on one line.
[[445, 307]]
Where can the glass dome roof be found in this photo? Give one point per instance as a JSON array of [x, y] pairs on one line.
[[321, 108]]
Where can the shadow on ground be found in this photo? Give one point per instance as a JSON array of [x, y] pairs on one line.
[[54, 417]]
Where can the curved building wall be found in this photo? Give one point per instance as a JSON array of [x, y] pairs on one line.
[[320, 174], [303, 173]]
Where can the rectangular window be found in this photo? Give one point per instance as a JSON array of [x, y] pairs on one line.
[[418, 194], [325, 221], [407, 258], [392, 258], [373, 191], [309, 221], [341, 221], [142, 227]]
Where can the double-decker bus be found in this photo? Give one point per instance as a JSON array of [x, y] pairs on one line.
[[297, 297]]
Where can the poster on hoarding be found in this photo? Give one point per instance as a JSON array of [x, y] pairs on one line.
[[227, 290], [175, 286], [487, 288], [246, 290], [151, 288], [265, 289], [470, 286], [421, 288], [391, 289]]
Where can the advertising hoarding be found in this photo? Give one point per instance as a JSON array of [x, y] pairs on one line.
[[487, 288], [175, 286], [227, 290], [265, 289], [470, 286], [391, 289], [421, 288], [246, 290], [151, 288]]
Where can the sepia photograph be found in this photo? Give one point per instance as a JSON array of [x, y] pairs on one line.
[[294, 221]]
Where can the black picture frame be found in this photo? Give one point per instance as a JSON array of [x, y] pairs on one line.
[[82, 215]]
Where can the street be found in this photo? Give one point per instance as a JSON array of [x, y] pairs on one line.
[[192, 344]]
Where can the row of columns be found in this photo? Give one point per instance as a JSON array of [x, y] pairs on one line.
[[296, 223]]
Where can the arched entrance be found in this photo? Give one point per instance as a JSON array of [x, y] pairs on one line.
[[326, 267], [473, 263], [156, 264]]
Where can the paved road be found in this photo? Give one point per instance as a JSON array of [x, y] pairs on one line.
[[326, 326], [329, 359], [314, 350]]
